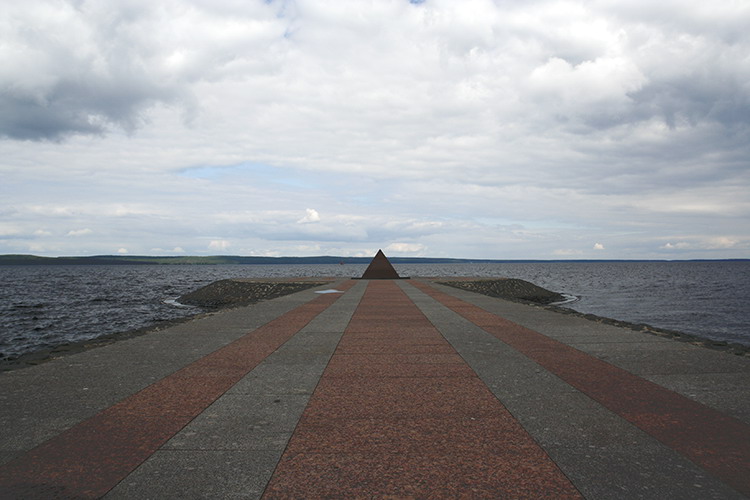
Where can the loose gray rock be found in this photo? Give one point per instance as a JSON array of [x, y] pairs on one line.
[[508, 288], [233, 293]]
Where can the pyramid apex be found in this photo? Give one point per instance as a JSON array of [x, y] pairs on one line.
[[380, 268]]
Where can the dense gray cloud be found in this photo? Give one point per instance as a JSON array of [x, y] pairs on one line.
[[476, 128], [61, 76], [82, 67]]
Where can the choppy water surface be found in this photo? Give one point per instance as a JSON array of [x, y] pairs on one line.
[[44, 306]]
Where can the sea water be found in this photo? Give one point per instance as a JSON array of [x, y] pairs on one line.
[[45, 306]]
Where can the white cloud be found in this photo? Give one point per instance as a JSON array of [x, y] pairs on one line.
[[80, 232], [676, 246], [161, 251], [122, 251], [401, 248], [311, 215], [598, 246], [722, 242], [220, 245], [606, 81]]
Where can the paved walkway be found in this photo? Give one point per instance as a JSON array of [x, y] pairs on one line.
[[398, 389]]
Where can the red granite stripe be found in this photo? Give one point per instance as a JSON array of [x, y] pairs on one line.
[[714, 441], [399, 414], [90, 458]]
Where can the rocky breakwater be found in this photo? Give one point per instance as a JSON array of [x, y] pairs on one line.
[[239, 292], [508, 288]]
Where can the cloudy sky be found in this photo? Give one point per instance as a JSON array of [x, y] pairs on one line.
[[478, 129]]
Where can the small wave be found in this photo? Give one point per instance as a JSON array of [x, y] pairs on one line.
[[28, 306], [103, 299], [568, 299], [174, 302]]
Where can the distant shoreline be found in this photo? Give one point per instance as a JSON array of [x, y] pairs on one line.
[[34, 260]]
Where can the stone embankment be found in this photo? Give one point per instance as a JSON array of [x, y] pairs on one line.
[[239, 292], [508, 288]]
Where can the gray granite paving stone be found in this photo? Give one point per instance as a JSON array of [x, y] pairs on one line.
[[568, 328], [242, 421], [316, 356], [6, 455], [570, 418], [609, 337], [610, 461], [194, 474], [605, 348], [335, 321], [519, 379], [642, 472], [279, 378], [35, 431], [697, 360], [140, 358], [695, 383], [727, 392], [309, 339], [304, 354]]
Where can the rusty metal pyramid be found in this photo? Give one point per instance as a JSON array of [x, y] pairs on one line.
[[380, 268]]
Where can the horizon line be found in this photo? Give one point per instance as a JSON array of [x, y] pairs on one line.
[[343, 258]]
